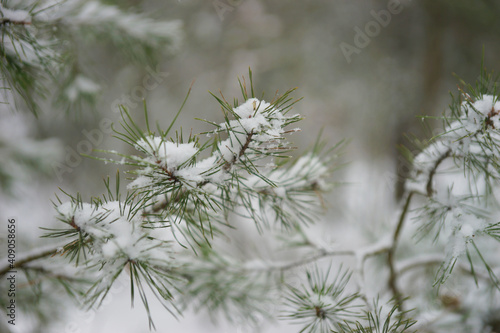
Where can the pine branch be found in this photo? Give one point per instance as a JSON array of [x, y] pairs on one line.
[[229, 164], [6, 21], [435, 260], [33, 255], [176, 191], [311, 259], [35, 57]]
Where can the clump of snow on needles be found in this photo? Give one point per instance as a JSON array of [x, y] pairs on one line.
[[166, 153], [14, 15], [257, 123], [114, 232], [256, 118], [470, 135]]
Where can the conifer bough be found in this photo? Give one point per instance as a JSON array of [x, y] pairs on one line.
[[186, 192], [181, 195]]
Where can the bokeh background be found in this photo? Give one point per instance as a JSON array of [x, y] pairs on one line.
[[372, 97]]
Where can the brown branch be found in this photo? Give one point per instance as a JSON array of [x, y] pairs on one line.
[[393, 276], [73, 224], [393, 273], [316, 257], [27, 259], [227, 166], [49, 275], [4, 21], [441, 158]]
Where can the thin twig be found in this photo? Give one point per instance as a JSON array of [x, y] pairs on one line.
[[228, 165], [50, 275], [390, 254], [441, 158], [20, 263], [421, 261], [316, 257], [9, 21], [434, 260]]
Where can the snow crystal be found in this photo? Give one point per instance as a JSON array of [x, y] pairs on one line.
[[270, 166], [251, 115], [256, 116], [253, 123]]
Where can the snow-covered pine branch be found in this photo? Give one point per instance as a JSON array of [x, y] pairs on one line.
[[461, 207], [457, 178], [183, 193], [167, 233], [43, 41]]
